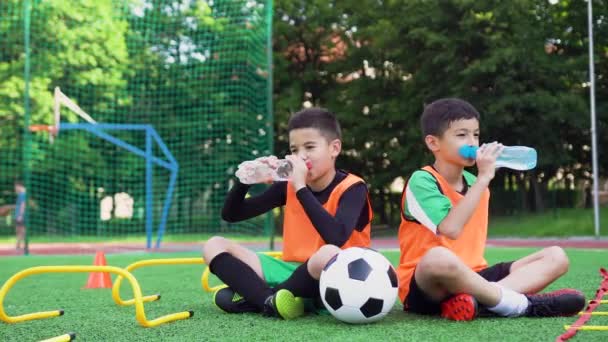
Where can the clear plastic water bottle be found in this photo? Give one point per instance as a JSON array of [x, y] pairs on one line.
[[520, 158], [284, 170], [264, 169]]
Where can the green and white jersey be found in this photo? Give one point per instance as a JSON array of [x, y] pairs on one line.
[[425, 201]]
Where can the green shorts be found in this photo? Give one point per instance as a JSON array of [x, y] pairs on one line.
[[275, 270]]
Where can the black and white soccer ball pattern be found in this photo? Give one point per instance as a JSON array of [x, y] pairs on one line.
[[358, 285]]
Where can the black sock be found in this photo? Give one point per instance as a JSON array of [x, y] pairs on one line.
[[241, 278], [301, 283]]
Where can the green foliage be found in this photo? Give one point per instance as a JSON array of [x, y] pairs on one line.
[[195, 70], [198, 72], [402, 55]]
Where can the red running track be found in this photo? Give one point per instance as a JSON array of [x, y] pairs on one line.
[[383, 243]]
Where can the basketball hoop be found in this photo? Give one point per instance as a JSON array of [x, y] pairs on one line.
[[50, 129], [60, 99]]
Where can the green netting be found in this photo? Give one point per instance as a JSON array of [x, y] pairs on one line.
[[197, 71]]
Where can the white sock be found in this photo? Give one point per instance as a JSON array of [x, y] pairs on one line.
[[511, 304]]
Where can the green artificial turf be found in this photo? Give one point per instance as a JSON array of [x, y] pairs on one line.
[[94, 317]]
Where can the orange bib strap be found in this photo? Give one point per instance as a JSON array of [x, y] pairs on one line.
[[301, 239]]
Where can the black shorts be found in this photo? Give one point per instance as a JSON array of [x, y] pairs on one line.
[[419, 302]]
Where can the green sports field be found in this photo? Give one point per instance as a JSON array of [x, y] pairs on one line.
[[94, 317]]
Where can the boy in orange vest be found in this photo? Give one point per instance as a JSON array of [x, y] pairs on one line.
[[443, 232], [323, 205]]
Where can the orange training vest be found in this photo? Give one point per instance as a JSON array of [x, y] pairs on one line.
[[415, 239], [300, 238]]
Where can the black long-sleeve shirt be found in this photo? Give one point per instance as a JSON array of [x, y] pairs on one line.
[[352, 212]]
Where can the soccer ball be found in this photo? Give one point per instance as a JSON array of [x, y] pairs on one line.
[[358, 285]]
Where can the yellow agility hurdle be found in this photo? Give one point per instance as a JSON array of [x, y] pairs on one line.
[[62, 338], [174, 261], [149, 262], [140, 314]]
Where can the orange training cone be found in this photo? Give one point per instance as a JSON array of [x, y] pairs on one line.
[[99, 280]]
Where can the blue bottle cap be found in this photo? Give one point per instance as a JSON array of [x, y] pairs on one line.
[[468, 151]]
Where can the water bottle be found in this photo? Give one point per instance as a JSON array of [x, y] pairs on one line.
[[264, 169], [284, 168], [520, 158]]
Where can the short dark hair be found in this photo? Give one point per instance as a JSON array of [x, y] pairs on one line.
[[319, 118], [19, 182], [438, 115]]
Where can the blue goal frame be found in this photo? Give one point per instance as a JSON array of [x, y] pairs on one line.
[[100, 130]]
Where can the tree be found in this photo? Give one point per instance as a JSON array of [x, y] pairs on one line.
[[69, 48], [401, 55]]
